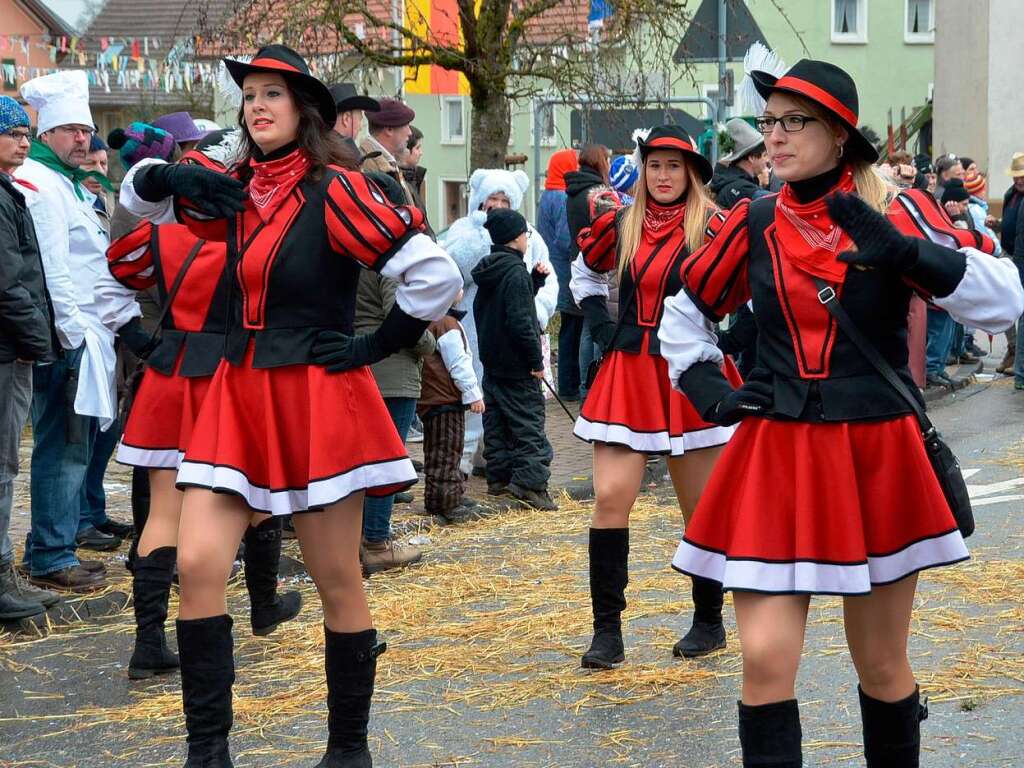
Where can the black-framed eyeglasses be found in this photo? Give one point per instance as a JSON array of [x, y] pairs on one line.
[[789, 123], [18, 135]]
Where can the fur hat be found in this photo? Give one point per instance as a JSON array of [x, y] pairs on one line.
[[487, 181]]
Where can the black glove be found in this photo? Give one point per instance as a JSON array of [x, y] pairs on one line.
[[879, 243], [538, 279], [214, 194], [135, 337], [717, 402], [339, 351], [599, 320]]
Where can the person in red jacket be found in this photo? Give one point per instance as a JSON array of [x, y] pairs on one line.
[[630, 412], [826, 487], [293, 421]]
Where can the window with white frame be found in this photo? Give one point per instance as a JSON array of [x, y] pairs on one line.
[[849, 21], [548, 126], [920, 21], [453, 120]]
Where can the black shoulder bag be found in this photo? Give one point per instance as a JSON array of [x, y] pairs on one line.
[[131, 387], [944, 462]]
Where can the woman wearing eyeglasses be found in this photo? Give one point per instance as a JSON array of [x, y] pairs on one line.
[[825, 487]]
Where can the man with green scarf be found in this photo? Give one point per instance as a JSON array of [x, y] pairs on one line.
[[74, 395]]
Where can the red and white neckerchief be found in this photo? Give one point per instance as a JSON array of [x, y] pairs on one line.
[[808, 237], [659, 219], [273, 180]]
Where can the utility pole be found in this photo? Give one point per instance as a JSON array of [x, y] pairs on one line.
[[722, 72]]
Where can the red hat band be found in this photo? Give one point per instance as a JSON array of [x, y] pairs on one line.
[[265, 63], [819, 95], [669, 142]]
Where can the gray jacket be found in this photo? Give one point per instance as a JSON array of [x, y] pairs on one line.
[[398, 375]]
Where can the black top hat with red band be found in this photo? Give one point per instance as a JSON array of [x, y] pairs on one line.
[[286, 62], [674, 137], [829, 87]]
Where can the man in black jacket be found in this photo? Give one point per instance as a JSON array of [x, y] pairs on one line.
[[516, 449], [736, 175], [26, 337], [1012, 239]]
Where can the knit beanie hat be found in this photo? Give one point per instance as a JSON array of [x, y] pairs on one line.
[[562, 162], [955, 192], [12, 115], [504, 225], [623, 174], [974, 183], [139, 141]]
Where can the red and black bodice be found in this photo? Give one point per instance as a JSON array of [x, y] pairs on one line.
[[652, 274], [296, 252], [151, 256], [769, 251]]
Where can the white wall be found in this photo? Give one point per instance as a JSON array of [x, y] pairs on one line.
[[1005, 101]]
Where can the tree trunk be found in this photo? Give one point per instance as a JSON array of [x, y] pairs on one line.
[[489, 127]]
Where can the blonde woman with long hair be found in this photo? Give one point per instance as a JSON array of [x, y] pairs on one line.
[[826, 488], [631, 412]]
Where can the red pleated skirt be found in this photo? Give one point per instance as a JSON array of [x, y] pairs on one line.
[[160, 423], [294, 438], [632, 404], [820, 508]]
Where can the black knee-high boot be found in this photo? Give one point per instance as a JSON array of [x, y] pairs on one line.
[[609, 574], [892, 732], [207, 674], [140, 511], [151, 585], [350, 660], [770, 735], [707, 633], [262, 558]]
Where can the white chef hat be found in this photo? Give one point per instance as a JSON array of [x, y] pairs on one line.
[[60, 99]]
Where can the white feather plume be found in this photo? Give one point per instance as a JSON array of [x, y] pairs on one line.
[[758, 58], [228, 151], [226, 85], [638, 134]]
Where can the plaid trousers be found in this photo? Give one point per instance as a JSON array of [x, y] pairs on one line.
[[443, 436]]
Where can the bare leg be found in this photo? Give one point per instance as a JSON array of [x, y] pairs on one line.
[[690, 473], [330, 548], [618, 475], [771, 631], [161, 529], [212, 525]]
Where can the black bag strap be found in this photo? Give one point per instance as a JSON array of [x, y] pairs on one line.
[[827, 296], [175, 287]]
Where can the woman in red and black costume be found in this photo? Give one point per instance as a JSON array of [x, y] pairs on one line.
[[159, 425], [631, 412], [826, 487], [293, 421]]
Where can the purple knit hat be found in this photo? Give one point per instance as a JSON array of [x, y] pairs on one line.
[[139, 141], [180, 126]]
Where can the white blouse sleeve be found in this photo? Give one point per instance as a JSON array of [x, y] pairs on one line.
[[160, 212], [586, 282], [989, 297], [687, 337], [428, 280]]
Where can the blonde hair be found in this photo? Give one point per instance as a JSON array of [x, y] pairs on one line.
[[699, 208], [869, 184]]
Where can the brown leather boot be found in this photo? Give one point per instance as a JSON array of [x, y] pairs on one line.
[[384, 555], [1006, 366]]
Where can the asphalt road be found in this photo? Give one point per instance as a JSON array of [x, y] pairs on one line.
[[484, 640]]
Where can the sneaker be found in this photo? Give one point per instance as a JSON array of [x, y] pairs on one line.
[[1006, 366], [538, 499], [939, 380], [116, 528], [404, 497], [70, 579], [975, 350], [967, 358], [97, 540], [415, 432], [384, 555], [13, 606]]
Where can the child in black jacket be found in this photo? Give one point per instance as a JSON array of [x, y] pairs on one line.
[[516, 450]]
